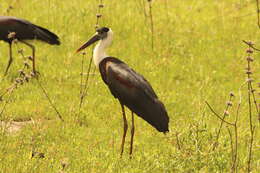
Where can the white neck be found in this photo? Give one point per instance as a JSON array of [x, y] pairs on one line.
[[99, 51]]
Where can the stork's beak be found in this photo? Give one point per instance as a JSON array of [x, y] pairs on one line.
[[92, 40]]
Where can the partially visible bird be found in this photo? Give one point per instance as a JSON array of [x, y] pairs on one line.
[[130, 88], [14, 28]]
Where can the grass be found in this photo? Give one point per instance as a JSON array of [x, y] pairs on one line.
[[198, 55]]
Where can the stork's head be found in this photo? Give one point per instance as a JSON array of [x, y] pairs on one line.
[[104, 34]]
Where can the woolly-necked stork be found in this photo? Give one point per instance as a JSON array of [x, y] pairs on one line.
[[14, 28], [130, 88]]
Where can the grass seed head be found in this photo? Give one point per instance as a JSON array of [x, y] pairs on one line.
[[229, 103], [99, 15], [101, 5], [249, 80], [18, 80], [250, 59], [249, 50], [21, 72], [26, 64], [30, 58], [32, 74], [64, 163], [250, 43], [248, 72], [27, 78], [232, 94], [226, 113]]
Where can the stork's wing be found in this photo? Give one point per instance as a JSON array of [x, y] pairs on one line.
[[116, 72], [134, 91]]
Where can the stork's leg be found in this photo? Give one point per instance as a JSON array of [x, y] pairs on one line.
[[125, 129], [10, 58], [33, 54], [132, 135]]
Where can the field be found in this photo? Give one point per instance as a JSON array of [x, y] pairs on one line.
[[190, 51]]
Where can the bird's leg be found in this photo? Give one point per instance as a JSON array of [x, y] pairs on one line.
[[125, 129], [132, 135], [33, 55], [10, 58]]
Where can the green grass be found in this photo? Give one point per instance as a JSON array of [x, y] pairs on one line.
[[198, 55]]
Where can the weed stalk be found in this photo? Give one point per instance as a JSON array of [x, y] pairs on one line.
[[258, 11], [83, 91], [151, 23], [234, 153], [250, 92], [229, 104]]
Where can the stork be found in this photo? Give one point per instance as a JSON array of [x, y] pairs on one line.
[[22, 30], [130, 88]]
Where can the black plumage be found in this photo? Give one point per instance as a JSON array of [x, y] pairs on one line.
[[14, 28], [134, 91]]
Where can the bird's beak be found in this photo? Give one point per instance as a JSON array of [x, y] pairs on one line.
[[92, 40]]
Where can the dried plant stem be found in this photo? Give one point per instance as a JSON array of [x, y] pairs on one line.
[[5, 104], [81, 74], [257, 10], [81, 82], [84, 90], [223, 118], [231, 144], [249, 89], [23, 77], [8, 90], [234, 165], [177, 140], [254, 100], [250, 150], [151, 23], [217, 115], [99, 15], [234, 154], [250, 107], [48, 98], [251, 45]]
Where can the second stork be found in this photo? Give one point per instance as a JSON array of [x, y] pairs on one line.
[[12, 28], [130, 88]]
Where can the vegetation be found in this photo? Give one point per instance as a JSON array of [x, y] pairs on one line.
[[191, 52]]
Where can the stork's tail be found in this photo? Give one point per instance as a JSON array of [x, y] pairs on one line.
[[162, 120], [154, 112], [46, 35]]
